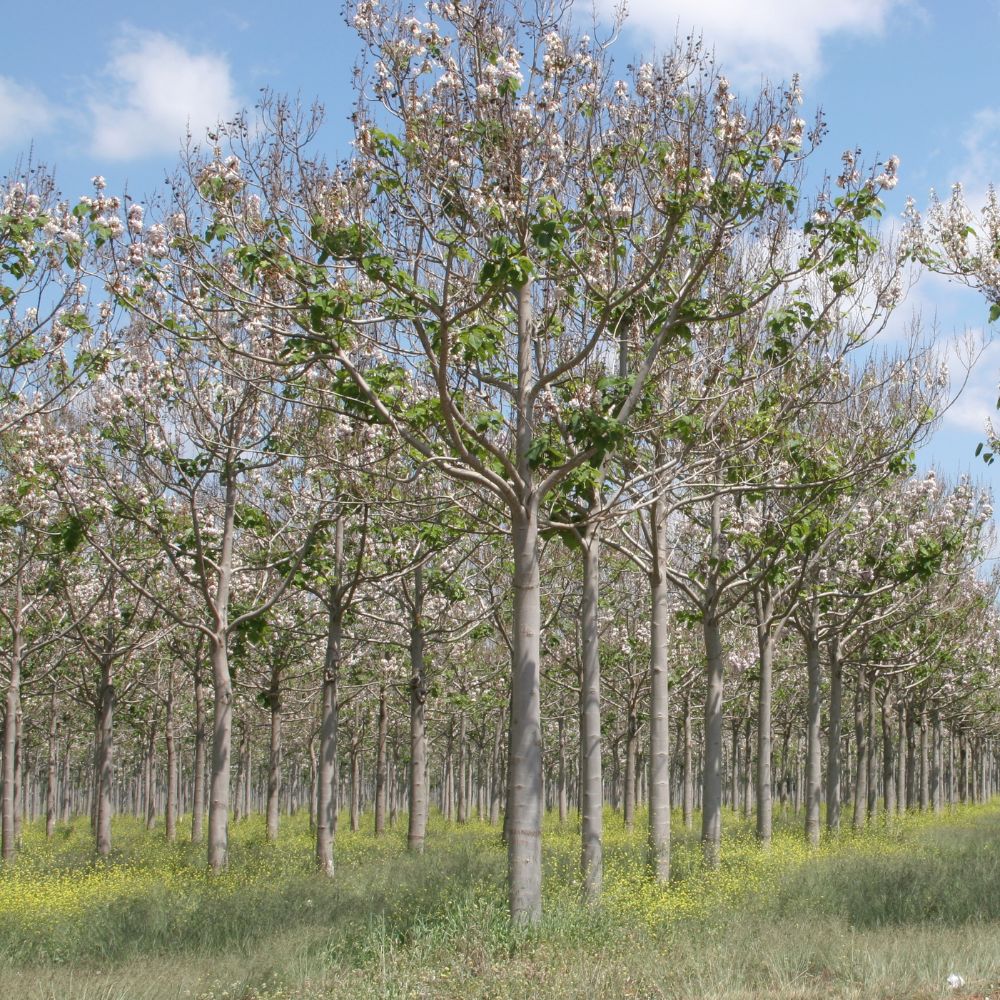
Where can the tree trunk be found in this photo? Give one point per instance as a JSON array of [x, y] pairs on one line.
[[591, 774], [417, 829], [833, 789], [871, 714], [659, 703], [524, 763], [861, 741], [151, 776], [198, 794], [222, 734], [355, 758], [326, 783], [813, 776], [765, 657], [463, 763], [888, 757], [631, 751], [105, 762], [381, 761], [688, 777], [52, 772], [12, 710], [170, 808], [938, 762], [925, 771], [711, 816], [901, 761], [498, 786], [563, 798], [274, 759]]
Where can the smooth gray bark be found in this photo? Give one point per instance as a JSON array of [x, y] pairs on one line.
[[326, 784], [659, 701], [381, 762], [833, 772], [813, 774], [417, 828], [524, 764], [52, 771], [764, 607], [170, 807], [888, 756], [198, 793], [105, 763], [711, 817], [222, 732], [861, 742], [274, 701], [8, 839], [591, 772]]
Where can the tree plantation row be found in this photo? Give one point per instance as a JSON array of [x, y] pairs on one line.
[[553, 450]]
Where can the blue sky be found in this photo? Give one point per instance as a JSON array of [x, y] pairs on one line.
[[112, 94]]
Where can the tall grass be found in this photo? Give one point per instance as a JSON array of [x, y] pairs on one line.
[[888, 913]]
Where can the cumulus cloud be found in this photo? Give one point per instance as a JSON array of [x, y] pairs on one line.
[[153, 90], [25, 113], [774, 38]]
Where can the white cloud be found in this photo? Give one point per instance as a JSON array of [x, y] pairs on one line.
[[774, 38], [978, 397], [154, 90], [981, 161], [25, 113]]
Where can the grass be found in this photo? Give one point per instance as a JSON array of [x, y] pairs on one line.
[[889, 913]]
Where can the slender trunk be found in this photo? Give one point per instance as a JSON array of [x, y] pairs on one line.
[[18, 777], [105, 763], [274, 759], [813, 775], [222, 682], [938, 761], [498, 787], [381, 761], [861, 739], [901, 762], [765, 655], [631, 751], [659, 703], [871, 714], [563, 798], [833, 789], [524, 763], [326, 783], [888, 757], [711, 816], [417, 829], [734, 766], [924, 762], [52, 772], [355, 758], [688, 796], [12, 711], [462, 802], [151, 790], [222, 734], [591, 775], [911, 760], [198, 793], [963, 767], [170, 809]]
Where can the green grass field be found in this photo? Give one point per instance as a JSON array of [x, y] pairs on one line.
[[890, 913]]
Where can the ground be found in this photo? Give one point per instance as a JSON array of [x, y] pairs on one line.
[[889, 913]]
